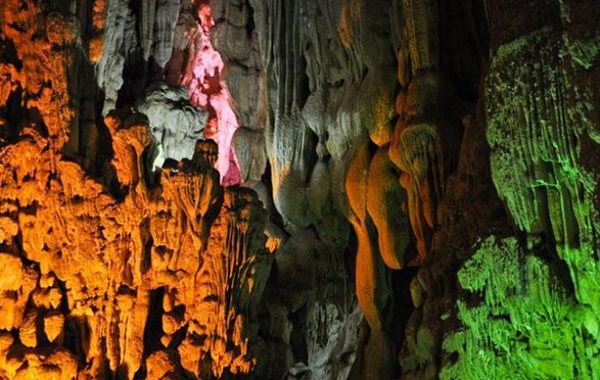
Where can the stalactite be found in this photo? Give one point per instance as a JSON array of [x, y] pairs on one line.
[[114, 48], [417, 148], [385, 202]]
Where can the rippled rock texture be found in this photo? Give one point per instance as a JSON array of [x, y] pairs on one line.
[[268, 189]]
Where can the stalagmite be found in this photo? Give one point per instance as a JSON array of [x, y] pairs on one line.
[[175, 123]]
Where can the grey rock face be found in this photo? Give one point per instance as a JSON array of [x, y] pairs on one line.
[[167, 14], [317, 80], [118, 36], [332, 341], [174, 123]]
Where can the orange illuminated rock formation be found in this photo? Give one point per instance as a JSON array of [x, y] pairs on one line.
[[183, 251], [140, 272]]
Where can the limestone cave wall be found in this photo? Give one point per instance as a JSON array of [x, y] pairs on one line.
[[280, 189]]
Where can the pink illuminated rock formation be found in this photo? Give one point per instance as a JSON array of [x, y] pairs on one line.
[[203, 79]]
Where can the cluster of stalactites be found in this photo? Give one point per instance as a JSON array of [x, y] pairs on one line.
[[172, 37], [401, 185], [536, 152], [84, 271]]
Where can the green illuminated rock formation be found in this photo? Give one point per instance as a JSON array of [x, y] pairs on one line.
[[519, 321], [531, 305]]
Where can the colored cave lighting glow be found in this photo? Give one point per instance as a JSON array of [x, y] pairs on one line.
[[208, 91]]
